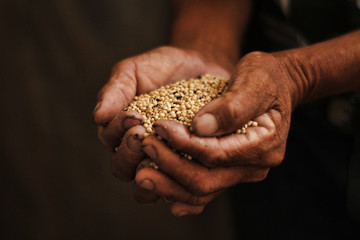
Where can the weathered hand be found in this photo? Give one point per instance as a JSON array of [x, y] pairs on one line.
[[261, 90], [134, 76]]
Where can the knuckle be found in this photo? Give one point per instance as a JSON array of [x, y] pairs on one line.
[[211, 159], [274, 155], [275, 160], [101, 119], [119, 65], [230, 107], [255, 174], [202, 185], [227, 111], [165, 48], [257, 56], [119, 174], [195, 200], [116, 67], [122, 69], [215, 156], [261, 175]]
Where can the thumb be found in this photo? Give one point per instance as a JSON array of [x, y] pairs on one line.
[[226, 114], [111, 102], [116, 94]]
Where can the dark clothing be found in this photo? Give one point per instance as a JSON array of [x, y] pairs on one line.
[[314, 193]]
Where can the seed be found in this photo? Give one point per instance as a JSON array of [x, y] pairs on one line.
[[153, 165], [180, 101]]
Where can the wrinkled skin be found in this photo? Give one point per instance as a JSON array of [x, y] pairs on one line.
[[134, 76], [138, 75], [261, 89]]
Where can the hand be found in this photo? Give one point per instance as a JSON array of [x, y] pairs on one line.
[[134, 76], [262, 90]]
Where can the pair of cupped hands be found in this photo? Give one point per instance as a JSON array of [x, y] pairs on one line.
[[261, 89]]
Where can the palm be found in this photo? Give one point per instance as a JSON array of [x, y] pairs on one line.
[[164, 65], [141, 74]]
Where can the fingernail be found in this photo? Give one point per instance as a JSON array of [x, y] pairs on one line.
[[206, 124], [147, 184], [161, 132], [131, 121], [98, 105], [181, 213], [134, 143], [150, 151]]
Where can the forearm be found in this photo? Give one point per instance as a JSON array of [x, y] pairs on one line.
[[324, 69], [212, 27]]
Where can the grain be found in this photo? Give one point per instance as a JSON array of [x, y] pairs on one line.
[[180, 102]]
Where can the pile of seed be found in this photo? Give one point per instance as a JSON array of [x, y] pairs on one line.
[[180, 101]]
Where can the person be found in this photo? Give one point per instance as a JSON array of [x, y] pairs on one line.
[[55, 179], [265, 86]]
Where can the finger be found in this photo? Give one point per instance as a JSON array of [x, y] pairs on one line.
[[259, 146], [144, 196], [141, 194], [195, 177], [247, 97], [163, 186], [223, 115], [181, 209], [205, 150], [116, 94], [111, 135], [128, 155]]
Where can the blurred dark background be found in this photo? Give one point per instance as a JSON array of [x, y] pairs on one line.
[[55, 176]]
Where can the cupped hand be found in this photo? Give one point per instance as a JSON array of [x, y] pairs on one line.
[[121, 130], [261, 89]]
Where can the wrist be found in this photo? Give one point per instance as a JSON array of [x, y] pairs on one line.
[[211, 62], [211, 53], [323, 69], [212, 28], [300, 75]]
